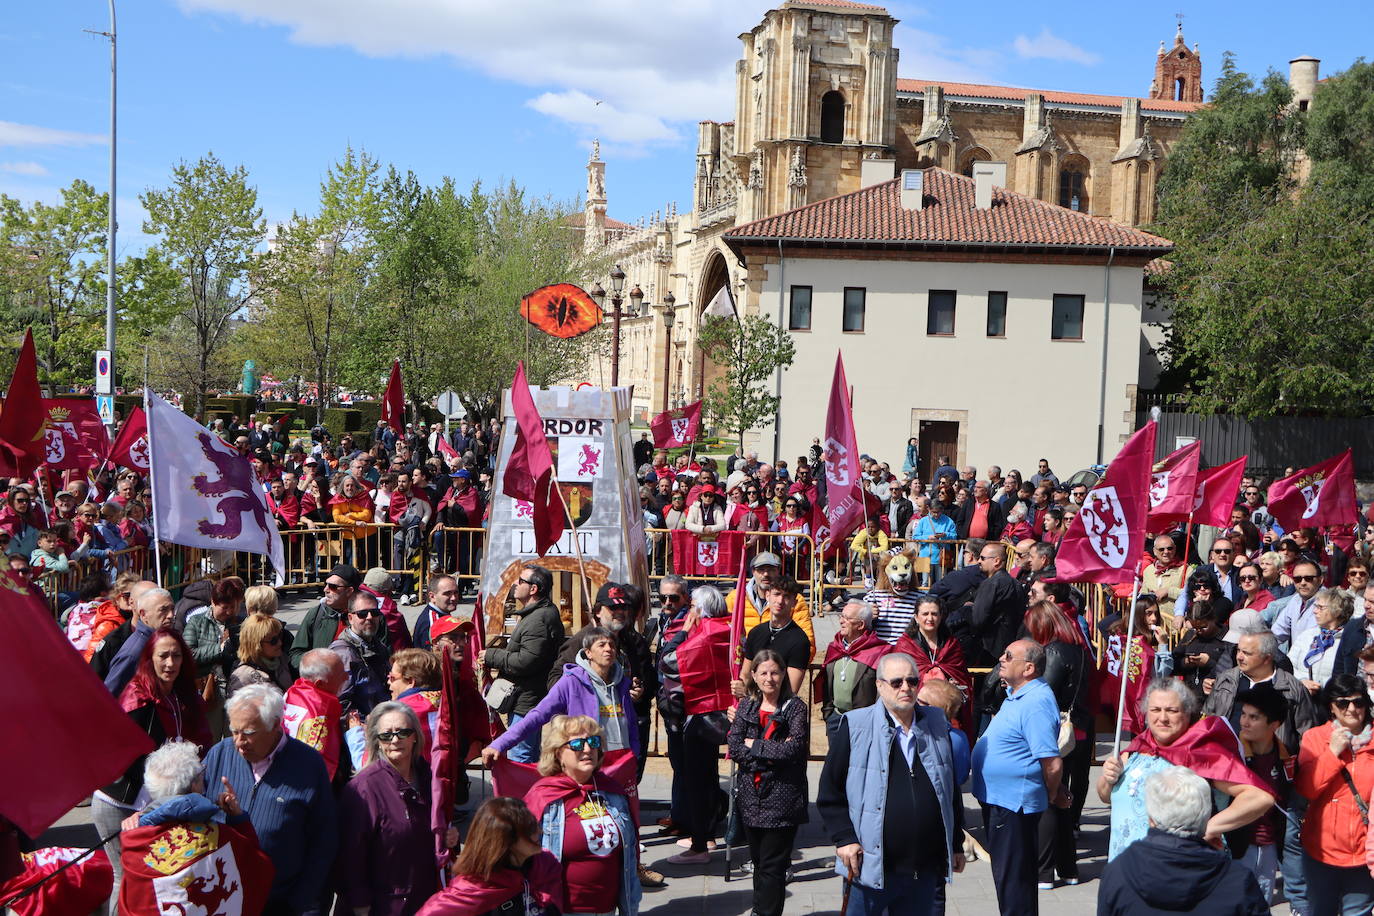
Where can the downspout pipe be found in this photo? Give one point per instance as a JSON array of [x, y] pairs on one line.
[[777, 387], [1106, 327]]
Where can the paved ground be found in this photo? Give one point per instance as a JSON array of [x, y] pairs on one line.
[[815, 888]]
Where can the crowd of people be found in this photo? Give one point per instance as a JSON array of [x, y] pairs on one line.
[[960, 664]]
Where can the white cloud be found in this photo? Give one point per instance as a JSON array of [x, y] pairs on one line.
[[926, 55], [1048, 46], [32, 169], [13, 134], [650, 69]]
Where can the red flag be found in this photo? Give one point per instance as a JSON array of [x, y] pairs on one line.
[[737, 633], [1138, 671], [74, 437], [1107, 536], [130, 449], [394, 401], [312, 716], [703, 662], [21, 423], [181, 867], [58, 887], [514, 780], [1173, 487], [676, 427], [529, 472], [1209, 748], [1323, 494], [88, 741], [446, 765], [844, 510], [696, 556], [1217, 492], [445, 449]]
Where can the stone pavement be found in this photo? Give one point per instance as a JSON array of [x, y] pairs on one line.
[[703, 889]]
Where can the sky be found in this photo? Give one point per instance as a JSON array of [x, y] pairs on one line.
[[516, 90]]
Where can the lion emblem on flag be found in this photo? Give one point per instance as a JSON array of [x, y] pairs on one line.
[[1312, 494], [679, 426], [138, 452], [208, 886], [707, 552], [1104, 521], [1159, 488]]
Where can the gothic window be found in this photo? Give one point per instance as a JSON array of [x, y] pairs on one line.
[[977, 154], [1145, 195], [1180, 86], [832, 117], [1073, 183]]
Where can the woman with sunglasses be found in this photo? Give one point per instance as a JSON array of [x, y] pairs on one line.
[[585, 820], [1336, 775], [1356, 578], [770, 741], [385, 865], [795, 529], [754, 501], [262, 655], [501, 869], [1253, 595]]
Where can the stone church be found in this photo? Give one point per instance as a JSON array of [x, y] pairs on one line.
[[817, 97]]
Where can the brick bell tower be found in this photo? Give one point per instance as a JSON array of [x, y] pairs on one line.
[[1178, 71]]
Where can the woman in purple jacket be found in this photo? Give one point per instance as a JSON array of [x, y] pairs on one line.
[[596, 686], [386, 863]]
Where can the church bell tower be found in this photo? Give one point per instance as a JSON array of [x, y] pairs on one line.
[[1178, 71]]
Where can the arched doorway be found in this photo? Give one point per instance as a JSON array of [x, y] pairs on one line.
[[714, 276]]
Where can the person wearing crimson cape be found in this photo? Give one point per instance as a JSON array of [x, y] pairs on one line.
[[1176, 736], [851, 665], [938, 654]]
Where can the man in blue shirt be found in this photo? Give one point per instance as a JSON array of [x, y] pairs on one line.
[[1017, 773]]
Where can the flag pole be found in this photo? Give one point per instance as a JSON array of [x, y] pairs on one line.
[[577, 549], [1125, 664], [152, 485]]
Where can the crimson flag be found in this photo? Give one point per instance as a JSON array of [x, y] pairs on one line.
[[88, 740], [703, 661], [1209, 748], [445, 448], [1173, 487], [312, 716], [697, 556], [514, 780], [1217, 492], [1323, 494], [182, 867], [1138, 671], [676, 427], [394, 401], [55, 887], [21, 422], [130, 449], [529, 471], [74, 437], [844, 509], [445, 761], [737, 633], [1107, 535]]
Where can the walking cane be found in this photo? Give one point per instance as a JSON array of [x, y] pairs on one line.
[[729, 820], [844, 898]]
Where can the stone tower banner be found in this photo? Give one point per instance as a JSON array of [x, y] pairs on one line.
[[589, 434]]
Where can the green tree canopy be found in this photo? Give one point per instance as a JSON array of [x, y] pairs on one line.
[[751, 351]]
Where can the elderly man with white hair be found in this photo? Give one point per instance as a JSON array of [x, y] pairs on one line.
[[851, 662], [284, 789], [1172, 869]]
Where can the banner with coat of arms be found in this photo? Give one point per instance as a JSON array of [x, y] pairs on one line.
[[677, 427], [206, 869], [716, 556]]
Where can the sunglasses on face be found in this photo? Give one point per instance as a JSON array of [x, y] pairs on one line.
[[1249, 578], [896, 682], [581, 744], [1304, 578], [336, 586], [366, 613], [1347, 702], [1222, 551], [399, 734], [669, 599]]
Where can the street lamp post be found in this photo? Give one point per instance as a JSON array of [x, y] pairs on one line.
[[669, 314], [636, 299]]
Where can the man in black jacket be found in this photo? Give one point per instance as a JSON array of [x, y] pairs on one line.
[[998, 607], [530, 651]]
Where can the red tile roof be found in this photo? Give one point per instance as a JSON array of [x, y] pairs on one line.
[[874, 216], [1011, 93]]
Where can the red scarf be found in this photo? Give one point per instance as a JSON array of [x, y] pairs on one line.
[[179, 720], [866, 650], [1162, 568], [1209, 748], [471, 894], [947, 663]]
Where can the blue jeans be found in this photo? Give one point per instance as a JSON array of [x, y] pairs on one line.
[[1291, 867], [1336, 891], [902, 895], [526, 751]]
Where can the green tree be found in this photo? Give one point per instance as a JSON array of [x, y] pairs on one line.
[[209, 224], [1340, 134], [52, 279], [750, 351]]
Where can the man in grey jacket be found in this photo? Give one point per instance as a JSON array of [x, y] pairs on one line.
[[1255, 654], [530, 651]]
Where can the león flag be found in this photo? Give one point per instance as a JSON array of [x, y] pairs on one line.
[[1107, 536]]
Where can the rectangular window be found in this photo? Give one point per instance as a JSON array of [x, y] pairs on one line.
[[997, 314], [799, 314], [940, 313], [1066, 321], [854, 305]]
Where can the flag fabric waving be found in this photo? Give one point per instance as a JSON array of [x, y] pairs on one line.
[[1217, 491], [704, 666], [1323, 494], [1173, 487], [88, 741], [130, 449], [1107, 536], [394, 401], [75, 439], [514, 780], [182, 867], [21, 422], [722, 304], [677, 427], [446, 448], [844, 509], [529, 471], [1137, 669], [205, 493], [737, 634], [446, 765], [696, 556]]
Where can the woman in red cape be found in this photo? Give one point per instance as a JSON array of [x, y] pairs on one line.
[[938, 654], [501, 863]]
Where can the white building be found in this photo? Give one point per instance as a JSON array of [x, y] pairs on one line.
[[995, 327]]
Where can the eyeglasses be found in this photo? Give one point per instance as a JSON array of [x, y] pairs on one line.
[[581, 744], [336, 586], [366, 612], [669, 599], [993, 557], [1358, 573], [896, 682], [1346, 702], [1222, 551], [1305, 578], [1249, 578], [1165, 548], [399, 734], [523, 581], [1008, 657]]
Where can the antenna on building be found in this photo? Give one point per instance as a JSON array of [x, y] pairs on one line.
[[1179, 17]]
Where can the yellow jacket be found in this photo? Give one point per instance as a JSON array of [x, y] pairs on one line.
[[859, 545], [801, 613]]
